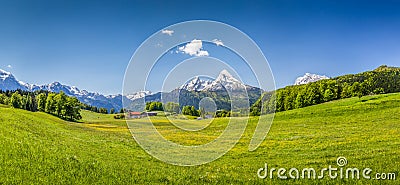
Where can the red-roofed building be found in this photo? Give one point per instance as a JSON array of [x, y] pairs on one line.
[[135, 114]]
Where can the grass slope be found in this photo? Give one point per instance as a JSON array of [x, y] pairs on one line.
[[41, 149]]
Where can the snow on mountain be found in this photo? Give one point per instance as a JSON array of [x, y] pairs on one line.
[[4, 74], [90, 98], [308, 78], [138, 95], [196, 84], [225, 81], [192, 92], [9, 82]]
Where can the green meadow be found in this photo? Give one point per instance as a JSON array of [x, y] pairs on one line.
[[37, 148]]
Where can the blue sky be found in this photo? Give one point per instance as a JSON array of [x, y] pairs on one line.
[[89, 44]]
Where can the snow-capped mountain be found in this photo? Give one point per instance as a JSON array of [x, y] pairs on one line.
[[196, 84], [308, 78], [197, 88], [9, 82], [225, 81], [138, 95], [57, 87]]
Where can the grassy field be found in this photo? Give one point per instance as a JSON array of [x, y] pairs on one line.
[[37, 148]]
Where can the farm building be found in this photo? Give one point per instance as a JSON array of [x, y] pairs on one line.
[[135, 115]]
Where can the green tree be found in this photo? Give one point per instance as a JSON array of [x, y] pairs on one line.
[[381, 80], [328, 95], [61, 100], [289, 100], [41, 102], [159, 106], [3, 99], [103, 110], [172, 107], [94, 109], [147, 106], [193, 111], [25, 102], [379, 90], [16, 100], [190, 110], [29, 103], [112, 111], [50, 103], [76, 108], [68, 110], [356, 89], [280, 97], [71, 109], [300, 100], [152, 106], [313, 95], [223, 113], [346, 91], [185, 110]]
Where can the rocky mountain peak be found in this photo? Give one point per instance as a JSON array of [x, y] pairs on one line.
[[308, 78]]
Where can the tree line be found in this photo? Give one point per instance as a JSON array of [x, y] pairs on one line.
[[186, 109], [190, 110], [58, 104], [154, 106], [379, 81], [101, 110]]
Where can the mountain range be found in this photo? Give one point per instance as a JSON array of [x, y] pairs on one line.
[[9, 82], [224, 81], [189, 93], [220, 90], [196, 84]]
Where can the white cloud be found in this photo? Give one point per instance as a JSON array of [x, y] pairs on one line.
[[202, 53], [168, 32], [218, 42], [195, 47], [9, 66]]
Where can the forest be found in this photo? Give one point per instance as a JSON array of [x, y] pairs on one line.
[[58, 104], [382, 80]]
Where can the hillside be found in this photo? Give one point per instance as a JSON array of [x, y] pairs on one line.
[[41, 149], [8, 82], [382, 80]]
